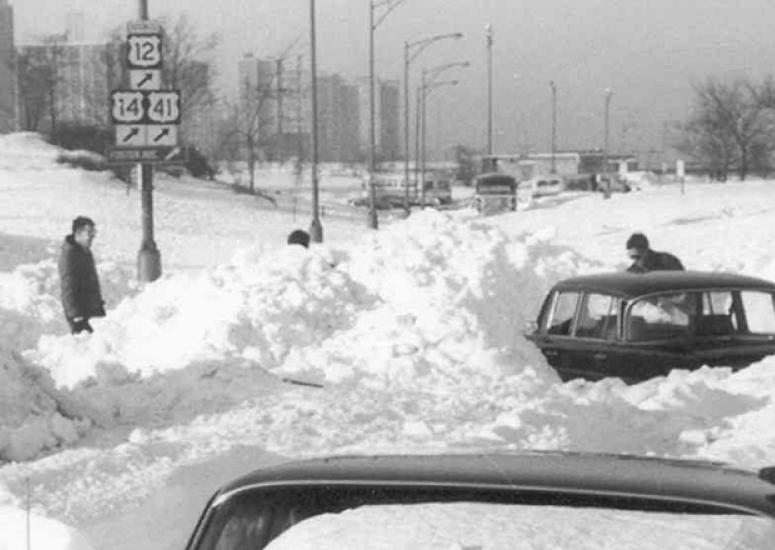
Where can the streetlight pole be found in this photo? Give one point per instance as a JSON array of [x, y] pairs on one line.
[[372, 220], [389, 6], [427, 87], [607, 192], [315, 228], [554, 126], [428, 82], [419, 46], [149, 257], [489, 88]]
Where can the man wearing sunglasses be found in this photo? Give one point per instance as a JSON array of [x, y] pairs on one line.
[[644, 259]]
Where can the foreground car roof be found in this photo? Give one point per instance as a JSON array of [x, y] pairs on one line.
[[636, 284], [691, 481]]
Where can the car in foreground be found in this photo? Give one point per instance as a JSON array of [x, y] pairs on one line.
[[491, 500], [637, 326]]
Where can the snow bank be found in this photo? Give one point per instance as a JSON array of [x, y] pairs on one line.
[[34, 416], [34, 531], [26, 151], [433, 298]]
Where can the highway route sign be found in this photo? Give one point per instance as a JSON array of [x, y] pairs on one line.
[[164, 107], [127, 106], [144, 51]]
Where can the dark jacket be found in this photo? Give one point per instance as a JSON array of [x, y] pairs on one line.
[[81, 294], [656, 261]]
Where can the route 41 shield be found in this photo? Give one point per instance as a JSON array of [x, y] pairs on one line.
[[164, 107]]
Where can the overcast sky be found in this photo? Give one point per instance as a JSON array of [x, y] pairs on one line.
[[648, 51]]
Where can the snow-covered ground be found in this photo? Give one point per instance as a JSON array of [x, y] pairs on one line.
[[411, 336]]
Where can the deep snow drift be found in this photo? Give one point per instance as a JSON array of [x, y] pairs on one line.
[[413, 332]]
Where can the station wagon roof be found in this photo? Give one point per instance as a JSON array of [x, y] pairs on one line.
[[697, 481], [630, 285]]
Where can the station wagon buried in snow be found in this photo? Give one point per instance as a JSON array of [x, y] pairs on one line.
[[637, 326]]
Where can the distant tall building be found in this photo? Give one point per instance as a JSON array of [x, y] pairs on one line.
[[387, 141], [257, 90], [78, 76], [337, 119], [8, 114], [389, 125]]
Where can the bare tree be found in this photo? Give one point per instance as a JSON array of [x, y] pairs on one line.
[[187, 64], [730, 122], [248, 126]]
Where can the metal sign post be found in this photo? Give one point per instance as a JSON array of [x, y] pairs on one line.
[[146, 120]]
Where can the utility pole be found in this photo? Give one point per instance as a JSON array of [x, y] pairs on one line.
[[422, 138], [280, 91], [149, 257], [554, 126], [372, 219], [489, 88], [299, 111], [607, 191], [315, 228]]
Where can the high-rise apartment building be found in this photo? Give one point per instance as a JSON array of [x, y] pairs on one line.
[[8, 114], [387, 140], [337, 119]]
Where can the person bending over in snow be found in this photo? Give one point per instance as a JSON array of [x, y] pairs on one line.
[[80, 286], [299, 236], [644, 259]]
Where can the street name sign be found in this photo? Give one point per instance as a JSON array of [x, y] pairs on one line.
[[155, 155]]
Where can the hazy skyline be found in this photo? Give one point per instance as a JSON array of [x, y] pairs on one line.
[[648, 51]]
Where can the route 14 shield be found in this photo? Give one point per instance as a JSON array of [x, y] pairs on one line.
[[164, 107], [127, 106], [144, 51]]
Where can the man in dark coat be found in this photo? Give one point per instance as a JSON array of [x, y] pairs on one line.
[[645, 259], [80, 286]]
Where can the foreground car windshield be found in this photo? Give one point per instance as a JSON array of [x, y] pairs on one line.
[[485, 526]]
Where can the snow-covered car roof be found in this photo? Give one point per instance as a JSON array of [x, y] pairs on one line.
[[627, 284], [697, 483]]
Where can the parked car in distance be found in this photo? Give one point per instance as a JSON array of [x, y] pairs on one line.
[[546, 186], [492, 500], [495, 192], [438, 189], [637, 326]]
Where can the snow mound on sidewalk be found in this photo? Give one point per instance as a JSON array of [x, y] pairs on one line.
[[30, 305], [34, 416], [431, 296]]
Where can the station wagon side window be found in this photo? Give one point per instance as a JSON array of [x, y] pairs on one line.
[[718, 315], [563, 310], [759, 311], [598, 317], [661, 317]]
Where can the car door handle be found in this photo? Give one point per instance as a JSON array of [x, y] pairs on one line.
[[551, 352], [600, 356]]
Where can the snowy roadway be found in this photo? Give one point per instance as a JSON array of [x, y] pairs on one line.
[[413, 331]]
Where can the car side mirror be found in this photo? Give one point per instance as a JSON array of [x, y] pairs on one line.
[[531, 327]]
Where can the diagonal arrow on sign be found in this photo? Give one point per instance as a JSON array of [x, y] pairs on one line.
[[147, 78], [164, 132], [132, 133]]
